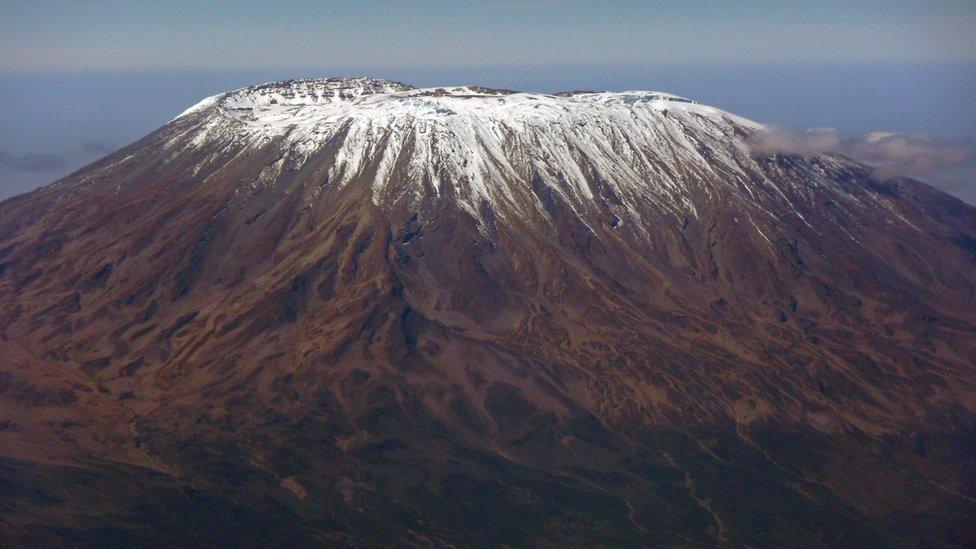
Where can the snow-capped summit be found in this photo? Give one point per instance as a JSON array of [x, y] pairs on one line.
[[482, 142], [310, 92], [312, 102]]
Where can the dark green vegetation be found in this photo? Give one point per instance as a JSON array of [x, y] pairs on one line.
[[427, 490]]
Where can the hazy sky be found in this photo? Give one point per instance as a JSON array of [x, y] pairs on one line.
[[79, 79], [44, 35]]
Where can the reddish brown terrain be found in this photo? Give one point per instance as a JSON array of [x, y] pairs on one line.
[[347, 311]]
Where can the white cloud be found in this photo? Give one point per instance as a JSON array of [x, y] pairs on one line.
[[949, 164]]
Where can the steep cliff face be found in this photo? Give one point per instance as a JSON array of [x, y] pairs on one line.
[[350, 310]]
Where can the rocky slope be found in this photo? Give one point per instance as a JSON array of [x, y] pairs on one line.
[[347, 310]]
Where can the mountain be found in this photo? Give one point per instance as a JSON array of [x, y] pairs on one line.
[[351, 311]]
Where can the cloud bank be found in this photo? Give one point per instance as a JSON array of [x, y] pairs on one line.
[[46, 162], [946, 163], [32, 162]]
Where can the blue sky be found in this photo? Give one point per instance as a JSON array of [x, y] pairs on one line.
[[45, 35], [78, 79]]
